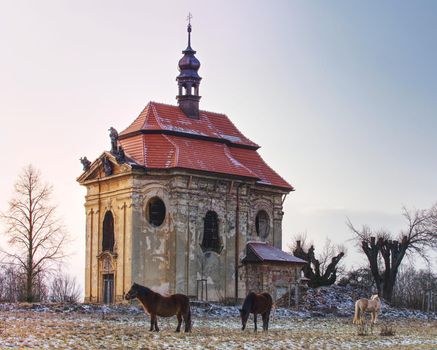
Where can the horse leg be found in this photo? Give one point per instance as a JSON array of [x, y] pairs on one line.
[[156, 324], [363, 317], [187, 320], [179, 316], [254, 320], [265, 321], [152, 322], [374, 317]]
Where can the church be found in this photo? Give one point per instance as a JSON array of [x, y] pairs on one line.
[[183, 203]]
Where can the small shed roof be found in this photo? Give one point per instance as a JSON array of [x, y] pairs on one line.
[[264, 252]]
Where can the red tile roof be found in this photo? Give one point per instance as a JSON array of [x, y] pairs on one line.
[[163, 137], [162, 117], [264, 252]]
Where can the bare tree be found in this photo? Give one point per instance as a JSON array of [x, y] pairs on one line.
[[36, 235], [414, 288], [385, 253], [360, 278], [323, 270], [64, 289], [11, 283]]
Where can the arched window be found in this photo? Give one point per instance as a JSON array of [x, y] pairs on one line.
[[108, 232], [156, 211], [211, 240], [262, 224]]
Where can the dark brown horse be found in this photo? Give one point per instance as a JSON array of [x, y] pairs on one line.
[[157, 305], [257, 304]]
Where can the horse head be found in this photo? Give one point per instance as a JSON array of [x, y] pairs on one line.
[[244, 314], [133, 292]]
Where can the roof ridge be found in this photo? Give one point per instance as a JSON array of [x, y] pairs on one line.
[[176, 162], [232, 160], [162, 103], [257, 242], [146, 110], [232, 123], [201, 110], [255, 252], [156, 115], [274, 171]]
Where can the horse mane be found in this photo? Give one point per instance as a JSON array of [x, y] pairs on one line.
[[248, 302], [143, 289]]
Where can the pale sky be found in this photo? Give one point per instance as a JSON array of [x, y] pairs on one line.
[[341, 96]]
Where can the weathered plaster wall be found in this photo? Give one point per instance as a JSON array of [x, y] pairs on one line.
[[169, 258], [270, 277], [114, 195], [153, 258]]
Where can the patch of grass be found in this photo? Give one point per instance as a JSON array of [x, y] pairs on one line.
[[362, 330], [387, 331], [365, 329], [29, 329]]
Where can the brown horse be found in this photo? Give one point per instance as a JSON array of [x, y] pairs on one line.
[[157, 305], [256, 304]]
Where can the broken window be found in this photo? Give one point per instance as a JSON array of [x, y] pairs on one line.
[[156, 211], [211, 240], [108, 232], [262, 224]]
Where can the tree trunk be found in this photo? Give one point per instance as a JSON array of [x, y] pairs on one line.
[[371, 250], [312, 269], [392, 253]]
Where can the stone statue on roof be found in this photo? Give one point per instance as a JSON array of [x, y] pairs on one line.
[[85, 163], [120, 156], [107, 166], [113, 134]]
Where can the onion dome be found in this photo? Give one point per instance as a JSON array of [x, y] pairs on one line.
[[188, 81], [189, 64]]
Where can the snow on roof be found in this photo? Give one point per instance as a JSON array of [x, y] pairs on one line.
[[163, 137], [264, 252]]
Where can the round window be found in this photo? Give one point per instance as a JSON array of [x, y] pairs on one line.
[[156, 211], [262, 224]]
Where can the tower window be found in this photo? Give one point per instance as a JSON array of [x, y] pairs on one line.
[[156, 211], [108, 232], [211, 240], [262, 224]]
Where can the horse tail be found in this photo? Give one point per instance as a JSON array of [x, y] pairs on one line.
[[273, 311], [357, 313]]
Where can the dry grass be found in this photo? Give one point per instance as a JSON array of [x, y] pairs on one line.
[[387, 331], [32, 330]]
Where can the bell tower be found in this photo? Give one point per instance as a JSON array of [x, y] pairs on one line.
[[188, 80]]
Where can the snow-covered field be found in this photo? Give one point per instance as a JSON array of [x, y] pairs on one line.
[[28, 326]]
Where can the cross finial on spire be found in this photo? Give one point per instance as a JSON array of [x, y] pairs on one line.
[[189, 17]]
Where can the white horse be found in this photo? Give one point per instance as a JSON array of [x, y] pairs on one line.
[[372, 305]]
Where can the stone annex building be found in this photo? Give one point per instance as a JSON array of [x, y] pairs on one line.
[[183, 203]]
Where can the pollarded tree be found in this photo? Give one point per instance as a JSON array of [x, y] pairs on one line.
[[323, 270], [385, 252], [36, 236]]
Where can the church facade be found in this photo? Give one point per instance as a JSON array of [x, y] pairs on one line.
[[175, 202]]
